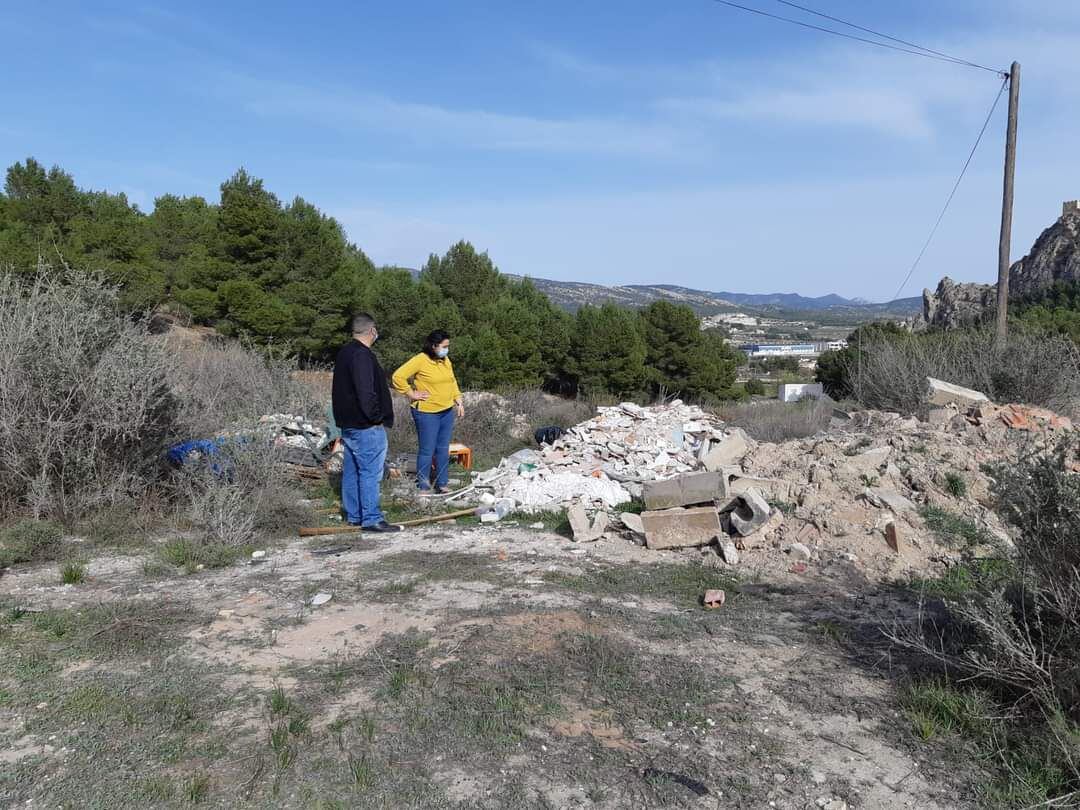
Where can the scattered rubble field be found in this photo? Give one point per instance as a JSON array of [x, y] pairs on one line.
[[481, 666], [500, 664]]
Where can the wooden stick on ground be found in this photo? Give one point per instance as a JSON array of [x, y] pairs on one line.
[[322, 530]]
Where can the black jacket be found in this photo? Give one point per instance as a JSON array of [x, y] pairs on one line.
[[361, 395]]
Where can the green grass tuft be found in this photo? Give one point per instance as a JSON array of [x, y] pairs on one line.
[[955, 485], [73, 572]]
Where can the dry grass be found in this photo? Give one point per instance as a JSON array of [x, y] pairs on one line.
[[779, 421], [889, 371]]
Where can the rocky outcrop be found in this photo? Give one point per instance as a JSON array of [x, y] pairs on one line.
[[954, 305], [1054, 257]]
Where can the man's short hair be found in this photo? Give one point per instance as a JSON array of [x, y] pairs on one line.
[[362, 322]]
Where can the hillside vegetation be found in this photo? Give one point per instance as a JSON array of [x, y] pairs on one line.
[[285, 275]]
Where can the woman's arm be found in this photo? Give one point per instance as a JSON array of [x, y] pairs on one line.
[[458, 401], [403, 377]]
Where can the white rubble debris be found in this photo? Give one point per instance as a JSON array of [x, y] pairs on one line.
[[603, 461]]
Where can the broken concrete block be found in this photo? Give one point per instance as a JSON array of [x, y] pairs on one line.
[[713, 598], [633, 522], [892, 536], [584, 532], [681, 528], [685, 490], [750, 513], [729, 553], [942, 393], [758, 537], [729, 451]]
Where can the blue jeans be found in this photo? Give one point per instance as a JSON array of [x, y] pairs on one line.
[[362, 473], [433, 439]]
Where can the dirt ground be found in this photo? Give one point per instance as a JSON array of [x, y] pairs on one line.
[[458, 667]]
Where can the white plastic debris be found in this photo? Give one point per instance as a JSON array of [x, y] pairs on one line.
[[321, 599]]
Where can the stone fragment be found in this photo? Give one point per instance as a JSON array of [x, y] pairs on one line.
[[685, 490], [944, 393], [713, 598], [585, 532], [320, 599], [750, 513], [633, 522], [681, 528], [728, 451], [892, 536], [868, 463], [799, 551], [729, 553], [889, 499]]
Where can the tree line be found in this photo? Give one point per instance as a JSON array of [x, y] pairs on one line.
[[285, 275]]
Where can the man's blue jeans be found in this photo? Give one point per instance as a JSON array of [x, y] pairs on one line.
[[362, 473], [433, 432]]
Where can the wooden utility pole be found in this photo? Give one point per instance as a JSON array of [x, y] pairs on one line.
[[1005, 240]]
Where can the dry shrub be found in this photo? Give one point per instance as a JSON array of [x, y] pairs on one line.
[[85, 408], [777, 421], [225, 385], [1018, 635], [888, 372], [231, 497]]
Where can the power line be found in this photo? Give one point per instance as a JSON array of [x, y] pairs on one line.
[[956, 59], [915, 51], [952, 193]]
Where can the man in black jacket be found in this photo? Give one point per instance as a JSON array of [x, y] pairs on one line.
[[363, 410]]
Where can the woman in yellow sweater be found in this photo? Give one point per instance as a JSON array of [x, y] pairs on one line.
[[428, 381]]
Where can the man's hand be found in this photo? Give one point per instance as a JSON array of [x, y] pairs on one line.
[[460, 409], [418, 396]]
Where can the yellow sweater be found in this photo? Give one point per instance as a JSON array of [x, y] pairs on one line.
[[421, 373]]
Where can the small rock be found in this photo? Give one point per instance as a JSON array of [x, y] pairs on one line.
[[321, 599], [258, 555], [818, 778], [799, 551], [633, 522], [892, 536], [538, 525], [714, 598], [729, 553]]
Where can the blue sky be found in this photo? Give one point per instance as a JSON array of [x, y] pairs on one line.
[[614, 142]]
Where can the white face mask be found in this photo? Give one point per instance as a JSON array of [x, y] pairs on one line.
[[442, 352]]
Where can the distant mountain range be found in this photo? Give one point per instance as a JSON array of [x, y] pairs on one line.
[[572, 294]]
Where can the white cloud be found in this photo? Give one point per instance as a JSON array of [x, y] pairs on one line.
[[434, 124]]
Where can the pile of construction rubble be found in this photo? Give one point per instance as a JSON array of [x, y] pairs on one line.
[[607, 460], [855, 497]]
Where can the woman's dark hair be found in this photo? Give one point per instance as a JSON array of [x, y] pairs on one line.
[[433, 340]]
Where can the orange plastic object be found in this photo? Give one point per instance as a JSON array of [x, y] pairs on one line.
[[462, 455]]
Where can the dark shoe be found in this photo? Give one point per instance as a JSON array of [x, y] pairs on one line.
[[384, 527], [442, 490]]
